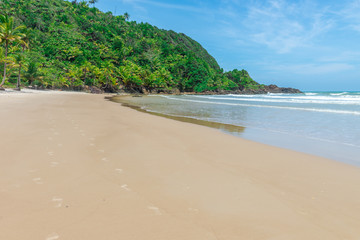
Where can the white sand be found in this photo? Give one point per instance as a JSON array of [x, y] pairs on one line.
[[75, 166]]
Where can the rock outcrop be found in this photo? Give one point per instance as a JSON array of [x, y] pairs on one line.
[[95, 90], [267, 89], [275, 89]]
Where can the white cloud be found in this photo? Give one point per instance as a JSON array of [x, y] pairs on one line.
[[351, 15], [284, 26], [342, 56], [313, 69], [136, 4]]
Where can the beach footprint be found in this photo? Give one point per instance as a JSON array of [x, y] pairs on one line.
[[58, 201], [54, 164], [194, 210], [156, 210], [52, 236], [82, 132], [37, 180], [125, 187]]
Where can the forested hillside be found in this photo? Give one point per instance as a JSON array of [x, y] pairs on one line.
[[73, 45]]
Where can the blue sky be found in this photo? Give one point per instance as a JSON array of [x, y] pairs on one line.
[[309, 44]]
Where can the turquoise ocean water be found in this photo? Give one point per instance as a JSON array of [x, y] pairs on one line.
[[321, 123]]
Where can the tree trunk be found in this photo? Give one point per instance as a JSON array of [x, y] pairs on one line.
[[4, 77], [19, 80], [85, 75]]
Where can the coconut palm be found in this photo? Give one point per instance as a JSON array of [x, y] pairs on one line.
[[32, 74], [8, 34], [86, 68], [24, 41], [10, 62], [93, 2], [20, 57], [19, 62], [108, 81]]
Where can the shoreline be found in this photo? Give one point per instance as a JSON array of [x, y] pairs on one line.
[[338, 151], [228, 128], [84, 168], [268, 89]]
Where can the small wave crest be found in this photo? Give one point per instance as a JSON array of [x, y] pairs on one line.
[[338, 94], [300, 99], [324, 110]]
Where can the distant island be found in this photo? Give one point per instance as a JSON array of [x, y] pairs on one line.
[[74, 46]]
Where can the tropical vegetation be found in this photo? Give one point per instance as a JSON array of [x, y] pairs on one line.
[[73, 45]]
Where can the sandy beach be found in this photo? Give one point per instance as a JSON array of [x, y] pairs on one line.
[[75, 166]]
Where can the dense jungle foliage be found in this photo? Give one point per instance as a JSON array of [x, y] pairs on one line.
[[72, 45]]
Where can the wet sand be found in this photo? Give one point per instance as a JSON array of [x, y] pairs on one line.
[[76, 166], [228, 128]]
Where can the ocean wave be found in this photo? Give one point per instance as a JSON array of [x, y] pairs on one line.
[[312, 100], [315, 97], [334, 111], [305, 95], [276, 94], [338, 94]]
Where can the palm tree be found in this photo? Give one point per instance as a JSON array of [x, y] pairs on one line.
[[20, 57], [93, 2], [25, 39], [8, 34], [19, 61], [86, 68], [108, 81], [126, 16], [32, 74], [4, 60]]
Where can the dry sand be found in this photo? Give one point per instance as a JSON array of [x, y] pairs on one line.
[[78, 167]]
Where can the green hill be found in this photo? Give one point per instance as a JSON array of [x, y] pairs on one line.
[[74, 45]]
